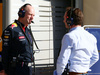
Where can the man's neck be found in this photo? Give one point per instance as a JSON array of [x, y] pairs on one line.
[[75, 26], [22, 23]]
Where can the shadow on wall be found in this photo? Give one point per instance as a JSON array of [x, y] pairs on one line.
[[58, 10]]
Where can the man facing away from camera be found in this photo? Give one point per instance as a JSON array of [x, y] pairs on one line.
[[79, 47]]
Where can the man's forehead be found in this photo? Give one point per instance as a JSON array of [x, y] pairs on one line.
[[28, 7]]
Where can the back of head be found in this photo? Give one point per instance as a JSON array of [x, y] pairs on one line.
[[76, 16]]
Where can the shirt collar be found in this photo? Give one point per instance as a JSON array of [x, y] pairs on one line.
[[19, 22], [75, 28]]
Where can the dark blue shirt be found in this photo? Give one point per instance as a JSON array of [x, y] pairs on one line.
[[15, 44]]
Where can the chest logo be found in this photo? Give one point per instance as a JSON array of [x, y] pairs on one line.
[[21, 37]]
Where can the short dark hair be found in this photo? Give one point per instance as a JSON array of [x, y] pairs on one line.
[[77, 16]]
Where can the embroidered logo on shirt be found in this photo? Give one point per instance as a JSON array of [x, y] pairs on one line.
[[13, 25], [21, 37], [6, 37]]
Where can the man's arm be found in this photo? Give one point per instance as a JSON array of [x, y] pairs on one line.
[[64, 55], [95, 56], [6, 42]]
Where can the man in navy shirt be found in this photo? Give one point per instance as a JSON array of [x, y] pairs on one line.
[[17, 47]]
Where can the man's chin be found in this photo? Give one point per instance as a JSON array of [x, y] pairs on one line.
[[29, 23]]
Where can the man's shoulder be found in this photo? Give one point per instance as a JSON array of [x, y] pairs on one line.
[[68, 35], [13, 25]]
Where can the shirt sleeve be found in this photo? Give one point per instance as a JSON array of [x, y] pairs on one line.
[[95, 55], [64, 54], [6, 46]]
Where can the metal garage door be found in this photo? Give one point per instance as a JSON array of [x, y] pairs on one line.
[[48, 31]]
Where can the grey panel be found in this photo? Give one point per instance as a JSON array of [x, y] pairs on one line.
[[58, 10]]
